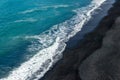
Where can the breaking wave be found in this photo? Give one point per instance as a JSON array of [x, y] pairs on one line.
[[51, 44]]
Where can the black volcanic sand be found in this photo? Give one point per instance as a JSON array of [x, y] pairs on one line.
[[91, 24], [104, 63], [97, 56]]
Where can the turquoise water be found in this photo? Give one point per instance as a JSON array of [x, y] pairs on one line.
[[25, 24]]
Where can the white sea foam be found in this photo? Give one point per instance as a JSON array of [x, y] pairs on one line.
[[26, 20], [53, 44], [57, 6], [43, 8], [29, 11]]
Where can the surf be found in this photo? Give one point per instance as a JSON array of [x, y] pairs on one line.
[[53, 44]]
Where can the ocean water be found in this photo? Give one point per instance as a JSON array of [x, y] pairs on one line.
[[33, 34]]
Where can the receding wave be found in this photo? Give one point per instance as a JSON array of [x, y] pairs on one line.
[[52, 44]]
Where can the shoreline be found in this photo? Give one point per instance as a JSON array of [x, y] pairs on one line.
[[67, 67], [102, 11], [42, 63]]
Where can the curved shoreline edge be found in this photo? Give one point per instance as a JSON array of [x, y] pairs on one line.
[[69, 68], [40, 63]]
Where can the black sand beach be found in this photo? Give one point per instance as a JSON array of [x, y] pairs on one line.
[[96, 56]]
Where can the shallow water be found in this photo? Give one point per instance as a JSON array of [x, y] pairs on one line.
[[33, 34]]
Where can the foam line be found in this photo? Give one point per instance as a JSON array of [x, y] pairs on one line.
[[43, 8], [39, 64], [26, 20]]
